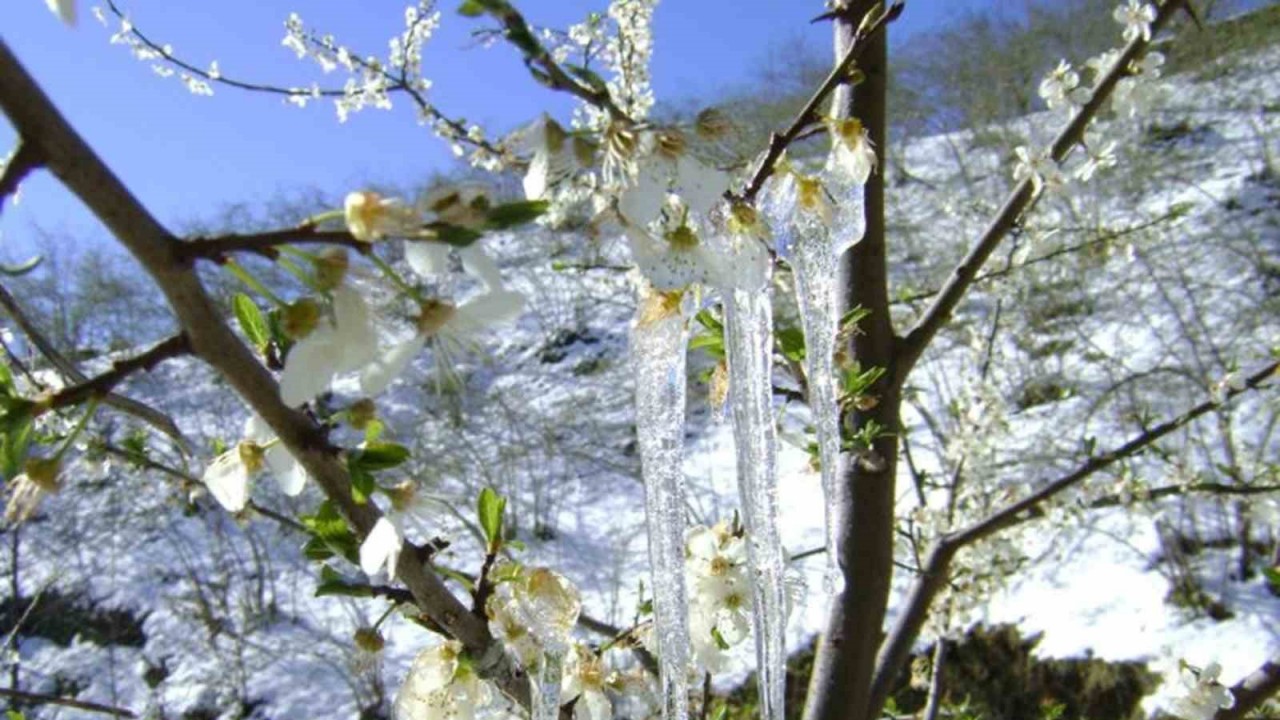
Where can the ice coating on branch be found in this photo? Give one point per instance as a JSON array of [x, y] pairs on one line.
[[658, 343], [749, 345]]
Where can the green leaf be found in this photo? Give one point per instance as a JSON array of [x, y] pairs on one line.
[[489, 508], [362, 484], [250, 319], [1272, 574], [709, 321], [461, 579], [21, 268], [377, 456], [713, 344], [14, 449], [720, 641], [791, 340], [471, 8], [330, 535], [516, 213], [334, 583], [455, 235], [646, 607]]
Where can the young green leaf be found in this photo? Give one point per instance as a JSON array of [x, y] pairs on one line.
[[490, 508], [377, 456], [251, 320]]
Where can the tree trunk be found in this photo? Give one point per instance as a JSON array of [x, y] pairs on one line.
[[841, 682]]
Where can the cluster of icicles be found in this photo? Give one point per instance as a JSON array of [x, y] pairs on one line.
[[812, 248]]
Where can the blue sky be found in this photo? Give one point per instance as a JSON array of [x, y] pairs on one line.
[[187, 156]]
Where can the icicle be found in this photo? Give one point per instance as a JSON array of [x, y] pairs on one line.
[[815, 258], [749, 342], [816, 265], [546, 686], [658, 344]]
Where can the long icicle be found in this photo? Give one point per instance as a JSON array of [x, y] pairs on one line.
[[815, 265], [815, 260], [749, 341], [658, 343]]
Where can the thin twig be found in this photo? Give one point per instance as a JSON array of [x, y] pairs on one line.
[[38, 699], [103, 384], [72, 374], [217, 247], [1020, 200], [809, 114], [23, 160]]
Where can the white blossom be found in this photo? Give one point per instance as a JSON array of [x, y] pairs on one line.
[[227, 477], [1058, 87], [664, 164], [853, 156], [345, 343], [1136, 16], [1040, 168], [64, 9], [585, 678], [1204, 695], [381, 548], [289, 473], [371, 217]]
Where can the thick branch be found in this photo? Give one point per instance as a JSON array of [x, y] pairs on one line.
[[809, 114], [84, 173], [103, 384], [897, 647], [72, 374], [38, 699], [18, 165], [1020, 200]]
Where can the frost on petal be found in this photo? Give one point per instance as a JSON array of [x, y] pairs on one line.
[[666, 266], [427, 259], [492, 308], [700, 185], [381, 548], [228, 480], [309, 367], [64, 9], [593, 705], [641, 203], [477, 263], [356, 338], [380, 373]]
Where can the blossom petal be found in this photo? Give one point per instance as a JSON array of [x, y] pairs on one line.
[[381, 548], [426, 258], [378, 374], [492, 308], [478, 264], [700, 185], [228, 480], [64, 9], [356, 338], [309, 367], [641, 203], [288, 472]]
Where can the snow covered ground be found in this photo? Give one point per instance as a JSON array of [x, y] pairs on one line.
[[544, 416]]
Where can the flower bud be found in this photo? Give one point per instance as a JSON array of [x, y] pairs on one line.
[[712, 124], [252, 455], [330, 268], [435, 313], [44, 473], [361, 413], [369, 640], [299, 319], [402, 495]]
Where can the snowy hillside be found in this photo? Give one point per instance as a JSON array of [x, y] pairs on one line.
[[1116, 306]]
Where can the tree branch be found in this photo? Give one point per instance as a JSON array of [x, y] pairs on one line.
[[808, 115], [217, 247], [17, 166], [897, 646], [1253, 691], [1019, 201], [72, 374], [84, 173], [103, 384], [38, 699]]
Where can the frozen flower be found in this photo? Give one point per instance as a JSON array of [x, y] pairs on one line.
[[227, 477], [1205, 696], [1136, 16], [1040, 169], [380, 548], [677, 260], [1058, 86], [441, 685], [289, 474], [64, 9], [585, 678], [38, 479], [853, 156], [720, 590], [371, 217], [445, 322], [541, 601], [664, 165], [345, 343]]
